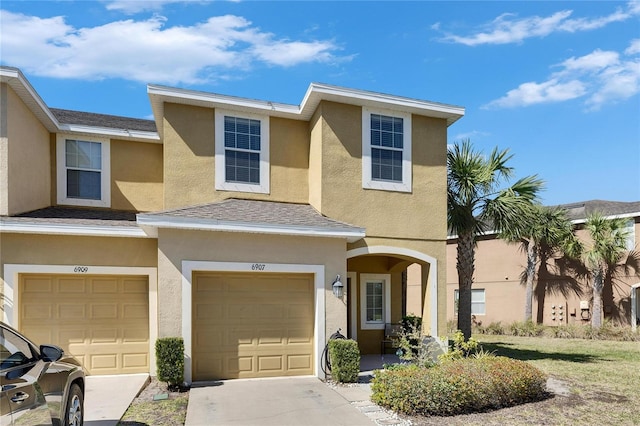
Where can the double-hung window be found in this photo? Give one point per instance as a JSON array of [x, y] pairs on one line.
[[242, 152], [386, 150], [83, 171], [375, 300], [477, 301]]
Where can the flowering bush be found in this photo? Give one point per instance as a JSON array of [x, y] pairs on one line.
[[459, 386]]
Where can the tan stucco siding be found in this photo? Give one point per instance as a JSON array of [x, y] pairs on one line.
[[498, 270], [315, 161], [188, 155], [420, 214], [189, 158], [289, 152], [136, 176], [71, 250], [174, 246], [24, 157]]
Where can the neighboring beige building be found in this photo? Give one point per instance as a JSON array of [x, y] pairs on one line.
[[225, 221], [561, 296]]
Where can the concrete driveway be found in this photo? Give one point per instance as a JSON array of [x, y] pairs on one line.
[[278, 401], [107, 397]]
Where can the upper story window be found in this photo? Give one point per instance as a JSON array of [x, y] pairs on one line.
[[242, 152], [386, 150], [83, 168]]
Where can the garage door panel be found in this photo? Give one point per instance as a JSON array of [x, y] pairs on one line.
[[94, 318], [267, 327]]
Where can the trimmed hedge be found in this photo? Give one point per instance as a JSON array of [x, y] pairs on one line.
[[345, 360], [461, 386], [170, 360]]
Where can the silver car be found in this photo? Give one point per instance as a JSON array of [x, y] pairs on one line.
[[39, 385]]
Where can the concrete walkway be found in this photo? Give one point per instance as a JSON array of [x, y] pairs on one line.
[[107, 397]]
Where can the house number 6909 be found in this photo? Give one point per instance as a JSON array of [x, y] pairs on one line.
[[258, 267], [81, 269]]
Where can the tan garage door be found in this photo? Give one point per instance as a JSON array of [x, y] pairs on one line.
[[102, 320], [252, 325]]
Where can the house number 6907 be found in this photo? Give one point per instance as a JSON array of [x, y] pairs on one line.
[[258, 267], [81, 269]]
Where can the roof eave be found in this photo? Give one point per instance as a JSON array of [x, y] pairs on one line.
[[316, 93], [151, 224], [20, 227]]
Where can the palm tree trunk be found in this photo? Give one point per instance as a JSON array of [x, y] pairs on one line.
[[598, 285], [532, 256], [465, 267]]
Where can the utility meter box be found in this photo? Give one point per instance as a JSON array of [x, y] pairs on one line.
[[584, 304]]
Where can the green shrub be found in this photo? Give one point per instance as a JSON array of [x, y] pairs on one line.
[[495, 328], [345, 360], [460, 386], [170, 360], [459, 348], [526, 329]]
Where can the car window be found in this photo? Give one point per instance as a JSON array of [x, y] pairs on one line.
[[14, 350]]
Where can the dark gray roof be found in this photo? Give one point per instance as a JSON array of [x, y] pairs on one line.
[[268, 213], [581, 210], [75, 216], [65, 116]]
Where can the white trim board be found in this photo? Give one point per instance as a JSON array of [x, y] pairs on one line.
[[191, 266], [11, 300]]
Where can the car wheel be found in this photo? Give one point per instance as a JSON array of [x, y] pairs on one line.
[[75, 407]]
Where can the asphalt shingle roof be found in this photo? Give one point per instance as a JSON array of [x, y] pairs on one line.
[[268, 213], [581, 210], [65, 116], [75, 216]]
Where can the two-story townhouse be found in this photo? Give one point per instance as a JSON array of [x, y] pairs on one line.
[[252, 229], [562, 291]]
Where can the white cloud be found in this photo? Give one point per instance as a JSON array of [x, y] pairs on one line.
[[507, 28], [602, 77], [634, 47], [135, 6], [150, 50], [535, 93]]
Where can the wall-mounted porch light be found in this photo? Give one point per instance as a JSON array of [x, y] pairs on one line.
[[338, 287]]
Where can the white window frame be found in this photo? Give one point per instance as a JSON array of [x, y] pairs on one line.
[[367, 181], [220, 173], [631, 234], [456, 297], [105, 172], [386, 291]]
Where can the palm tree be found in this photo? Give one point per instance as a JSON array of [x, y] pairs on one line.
[[475, 201], [601, 255], [548, 232]]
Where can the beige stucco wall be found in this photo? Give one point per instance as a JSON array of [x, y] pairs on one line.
[[420, 214], [136, 176], [33, 249], [25, 174], [498, 271], [174, 246], [189, 160]]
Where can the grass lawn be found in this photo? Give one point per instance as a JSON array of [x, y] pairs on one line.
[[603, 376]]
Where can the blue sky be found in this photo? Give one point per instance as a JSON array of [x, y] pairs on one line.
[[558, 83]]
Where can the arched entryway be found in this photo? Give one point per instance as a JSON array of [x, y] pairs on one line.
[[384, 284]]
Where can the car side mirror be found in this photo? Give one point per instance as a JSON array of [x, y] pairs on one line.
[[50, 353]]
